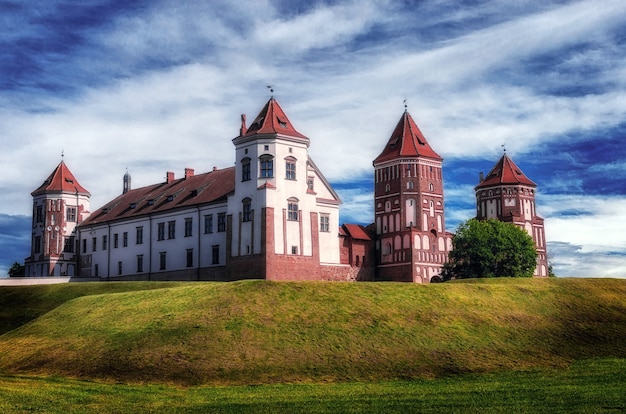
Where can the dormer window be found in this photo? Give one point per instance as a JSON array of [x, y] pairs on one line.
[[170, 198], [281, 121]]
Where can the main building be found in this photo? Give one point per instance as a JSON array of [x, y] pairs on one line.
[[273, 215]]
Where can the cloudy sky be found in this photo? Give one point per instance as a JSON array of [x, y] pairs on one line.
[[156, 86]]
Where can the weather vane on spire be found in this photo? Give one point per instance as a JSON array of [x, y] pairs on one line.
[[503, 147], [271, 88], [405, 105], [62, 153]]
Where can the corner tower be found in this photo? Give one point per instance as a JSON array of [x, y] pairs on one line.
[[284, 212], [59, 205], [508, 195], [412, 243]]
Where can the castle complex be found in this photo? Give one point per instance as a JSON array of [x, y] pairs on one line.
[[273, 215]]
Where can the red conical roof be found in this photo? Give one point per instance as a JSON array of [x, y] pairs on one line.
[[272, 120], [61, 181], [505, 172], [406, 141]]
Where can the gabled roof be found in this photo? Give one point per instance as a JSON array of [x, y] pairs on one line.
[[406, 141], [505, 172], [205, 188], [61, 181], [271, 120], [356, 231]]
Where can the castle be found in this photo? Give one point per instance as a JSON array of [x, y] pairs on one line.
[[273, 215]]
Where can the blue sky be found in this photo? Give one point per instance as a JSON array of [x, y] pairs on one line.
[[156, 86]]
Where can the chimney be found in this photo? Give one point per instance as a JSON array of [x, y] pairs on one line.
[[170, 177], [189, 172], [481, 177], [243, 128]]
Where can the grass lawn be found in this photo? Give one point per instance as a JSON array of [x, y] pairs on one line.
[[593, 386]]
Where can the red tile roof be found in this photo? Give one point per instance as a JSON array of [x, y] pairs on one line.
[[205, 188], [357, 232], [406, 141], [505, 172], [61, 181], [272, 120]]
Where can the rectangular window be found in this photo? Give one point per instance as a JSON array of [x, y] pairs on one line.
[[37, 247], [294, 249], [188, 227], [267, 167], [245, 170], [125, 239], [94, 244], [104, 242], [68, 245], [247, 211], [290, 170], [325, 223], [139, 235], [140, 263], [189, 257], [221, 222], [215, 254], [208, 224], [292, 212], [161, 231], [96, 270], [310, 182], [116, 240], [39, 214], [119, 268], [84, 245], [70, 213], [171, 229], [162, 260]]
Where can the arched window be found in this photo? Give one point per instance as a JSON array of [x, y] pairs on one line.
[[267, 166], [409, 185], [245, 169], [247, 209]]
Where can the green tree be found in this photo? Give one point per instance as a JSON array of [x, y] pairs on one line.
[[490, 248], [16, 270]]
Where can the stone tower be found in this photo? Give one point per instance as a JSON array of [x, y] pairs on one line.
[[59, 205], [411, 239], [508, 195]]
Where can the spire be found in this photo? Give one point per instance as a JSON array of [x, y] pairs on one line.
[[406, 141], [127, 180], [505, 172], [271, 120], [61, 181]]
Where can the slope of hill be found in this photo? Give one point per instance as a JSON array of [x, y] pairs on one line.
[[266, 332]]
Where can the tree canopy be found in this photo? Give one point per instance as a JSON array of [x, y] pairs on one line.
[[490, 248]]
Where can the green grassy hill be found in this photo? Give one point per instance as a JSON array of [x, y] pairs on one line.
[[266, 332]]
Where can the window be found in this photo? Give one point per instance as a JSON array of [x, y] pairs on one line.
[[94, 244], [96, 270], [208, 224], [267, 166], [71, 213], [171, 229], [189, 257], [139, 237], [221, 222], [140, 263], [161, 231], [84, 246], [294, 249], [116, 240], [39, 214], [162, 260], [292, 210], [188, 226], [104, 242], [310, 182], [247, 210], [69, 245], [119, 268], [37, 247], [215, 254], [266, 147], [245, 169], [290, 169], [125, 239], [324, 223]]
